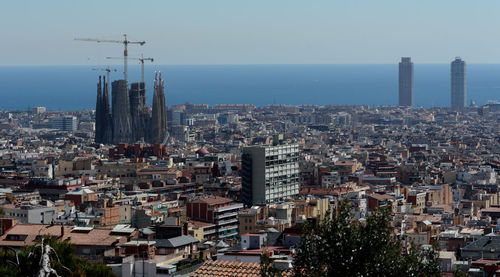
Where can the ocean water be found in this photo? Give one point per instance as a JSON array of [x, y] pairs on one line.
[[74, 87]]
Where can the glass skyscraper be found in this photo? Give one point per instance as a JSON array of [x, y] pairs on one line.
[[406, 82], [458, 84]]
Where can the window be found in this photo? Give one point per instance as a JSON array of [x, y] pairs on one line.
[[16, 237]]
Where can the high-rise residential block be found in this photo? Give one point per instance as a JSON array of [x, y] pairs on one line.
[[458, 84], [406, 82], [270, 174], [220, 211]]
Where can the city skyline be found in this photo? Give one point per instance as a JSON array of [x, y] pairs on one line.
[[250, 138]]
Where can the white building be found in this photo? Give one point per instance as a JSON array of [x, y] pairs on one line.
[[270, 174], [65, 123]]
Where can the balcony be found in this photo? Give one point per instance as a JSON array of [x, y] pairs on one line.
[[209, 231], [235, 206], [232, 220], [229, 227], [225, 215], [227, 235]]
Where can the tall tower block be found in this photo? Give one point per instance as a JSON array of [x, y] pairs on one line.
[[458, 84], [406, 82]]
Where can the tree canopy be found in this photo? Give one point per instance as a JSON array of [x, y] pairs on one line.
[[62, 260], [341, 246]]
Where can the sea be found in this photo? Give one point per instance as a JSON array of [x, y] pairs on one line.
[[66, 88]]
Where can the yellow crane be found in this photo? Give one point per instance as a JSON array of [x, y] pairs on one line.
[[125, 43]]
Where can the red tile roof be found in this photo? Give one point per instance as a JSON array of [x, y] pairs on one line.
[[226, 268], [95, 237], [213, 200]]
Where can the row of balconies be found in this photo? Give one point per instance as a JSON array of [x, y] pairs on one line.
[[283, 174], [227, 221], [209, 231], [231, 234], [270, 169], [234, 206], [226, 215], [284, 182], [275, 162], [283, 194], [229, 227]]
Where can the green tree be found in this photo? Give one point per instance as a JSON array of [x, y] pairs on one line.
[[341, 246], [63, 261], [266, 267]]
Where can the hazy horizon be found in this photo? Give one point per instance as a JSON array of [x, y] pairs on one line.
[[227, 32], [74, 87], [239, 64]]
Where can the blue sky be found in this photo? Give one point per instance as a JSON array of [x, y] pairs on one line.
[[35, 32]]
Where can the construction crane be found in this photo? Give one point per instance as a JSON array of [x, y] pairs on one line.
[[125, 43], [141, 59], [108, 70]]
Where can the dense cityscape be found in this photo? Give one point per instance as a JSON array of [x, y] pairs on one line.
[[193, 189], [278, 138]]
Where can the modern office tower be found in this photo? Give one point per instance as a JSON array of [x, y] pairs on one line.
[[406, 82], [38, 110], [175, 118], [65, 123], [458, 84], [122, 122], [270, 174], [159, 114]]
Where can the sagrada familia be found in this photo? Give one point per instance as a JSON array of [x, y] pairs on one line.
[[129, 120]]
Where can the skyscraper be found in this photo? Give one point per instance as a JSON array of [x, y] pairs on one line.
[[270, 174], [406, 82], [458, 84]]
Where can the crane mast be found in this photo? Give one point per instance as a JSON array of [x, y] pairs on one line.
[[108, 70], [141, 59], [125, 43]]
